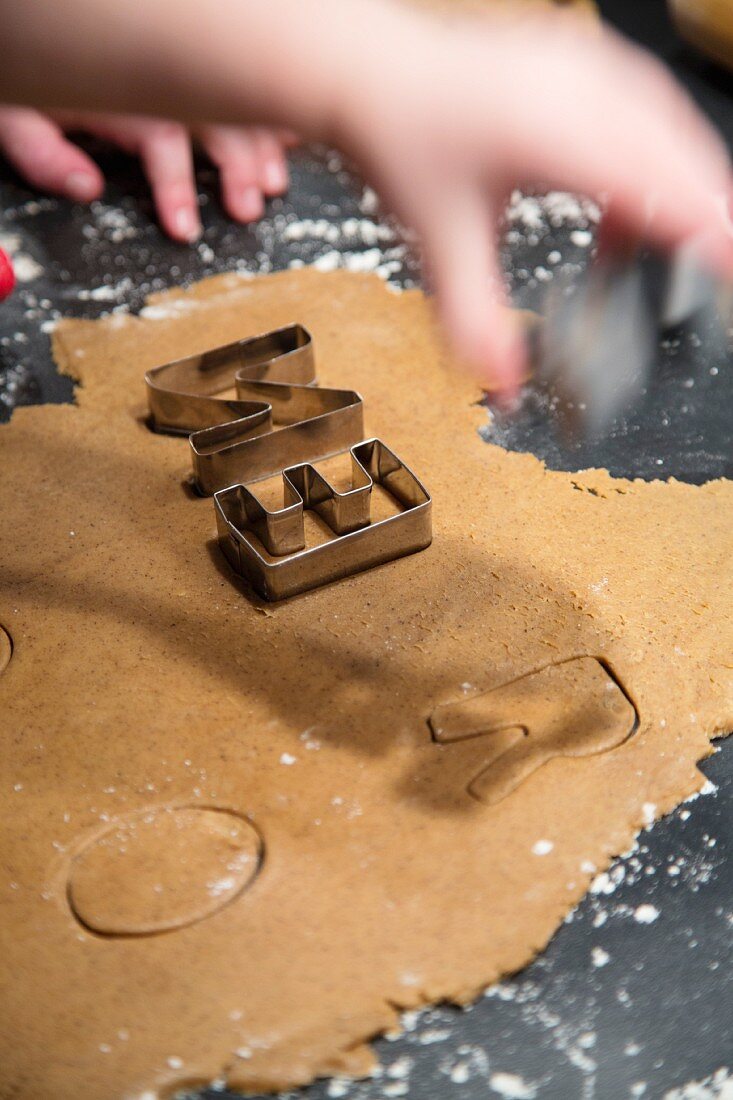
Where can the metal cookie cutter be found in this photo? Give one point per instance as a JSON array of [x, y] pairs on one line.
[[268, 548], [235, 441], [232, 439]]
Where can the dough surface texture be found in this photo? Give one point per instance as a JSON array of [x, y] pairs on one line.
[[145, 686]]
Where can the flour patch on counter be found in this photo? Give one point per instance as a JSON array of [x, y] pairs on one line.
[[512, 1087], [718, 1086], [26, 268], [646, 914]]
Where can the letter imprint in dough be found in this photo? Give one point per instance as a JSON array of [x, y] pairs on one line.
[[574, 708]]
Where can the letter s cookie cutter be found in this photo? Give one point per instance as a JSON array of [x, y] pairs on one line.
[[234, 442]]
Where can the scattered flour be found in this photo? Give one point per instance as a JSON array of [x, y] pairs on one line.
[[460, 1073], [646, 914], [648, 810], [581, 237], [718, 1086], [552, 210], [470, 1062], [338, 1087], [607, 881], [172, 308], [25, 267], [351, 230], [108, 292], [400, 1069], [111, 222], [512, 1087], [599, 957], [708, 787], [369, 201], [385, 264], [433, 1035]]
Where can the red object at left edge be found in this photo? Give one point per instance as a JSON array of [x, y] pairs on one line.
[[7, 276]]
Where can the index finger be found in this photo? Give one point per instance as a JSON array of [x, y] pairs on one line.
[[168, 163]]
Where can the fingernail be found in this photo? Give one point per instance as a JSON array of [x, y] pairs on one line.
[[187, 224], [250, 205], [274, 177], [81, 186]]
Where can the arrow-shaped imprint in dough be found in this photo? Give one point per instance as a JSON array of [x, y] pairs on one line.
[[574, 708]]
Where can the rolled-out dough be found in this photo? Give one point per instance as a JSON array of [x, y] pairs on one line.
[[143, 679]]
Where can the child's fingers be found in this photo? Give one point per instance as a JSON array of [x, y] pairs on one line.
[[165, 150], [39, 152], [233, 150], [459, 239], [271, 162]]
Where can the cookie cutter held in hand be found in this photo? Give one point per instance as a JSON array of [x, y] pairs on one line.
[[268, 548], [232, 439]]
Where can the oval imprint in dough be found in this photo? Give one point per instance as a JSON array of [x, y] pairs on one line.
[[6, 649], [162, 869]]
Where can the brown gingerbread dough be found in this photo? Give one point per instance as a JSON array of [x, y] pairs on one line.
[[145, 688]]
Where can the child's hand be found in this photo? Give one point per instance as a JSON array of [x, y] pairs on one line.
[[446, 120], [251, 161], [444, 116]]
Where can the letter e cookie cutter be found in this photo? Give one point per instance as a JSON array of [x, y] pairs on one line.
[[268, 548]]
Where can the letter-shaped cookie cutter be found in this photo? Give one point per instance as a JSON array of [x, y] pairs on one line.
[[232, 440], [268, 548]]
